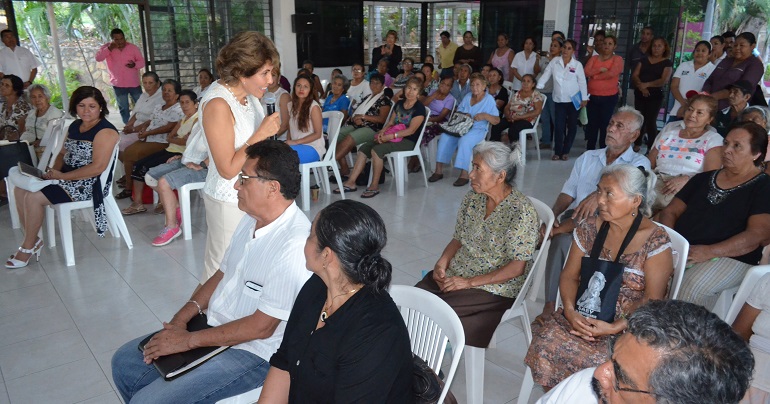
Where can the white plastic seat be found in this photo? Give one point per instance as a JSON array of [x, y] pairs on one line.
[[184, 206], [52, 140], [680, 249], [724, 302], [431, 323], [432, 148], [474, 356], [749, 281], [533, 132], [328, 160], [115, 221], [398, 160]]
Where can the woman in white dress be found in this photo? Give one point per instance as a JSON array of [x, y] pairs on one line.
[[232, 120], [525, 62]]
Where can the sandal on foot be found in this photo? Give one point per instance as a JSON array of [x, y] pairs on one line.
[[554, 157], [370, 193], [461, 182], [159, 210], [132, 210], [123, 194], [564, 157], [435, 177], [346, 189]]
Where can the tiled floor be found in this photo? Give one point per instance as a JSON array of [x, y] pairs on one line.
[[59, 326]]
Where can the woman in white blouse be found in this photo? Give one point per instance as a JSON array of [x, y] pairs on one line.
[[232, 120], [143, 109], [569, 95], [359, 87], [525, 62], [753, 325], [40, 115], [690, 76]]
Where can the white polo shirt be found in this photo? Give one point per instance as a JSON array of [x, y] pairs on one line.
[[19, 62], [272, 257], [691, 79], [588, 168], [567, 79], [574, 389]]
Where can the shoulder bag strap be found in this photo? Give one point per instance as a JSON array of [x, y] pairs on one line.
[[630, 235]]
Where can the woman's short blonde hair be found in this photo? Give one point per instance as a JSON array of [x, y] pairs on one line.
[[480, 77], [244, 55]]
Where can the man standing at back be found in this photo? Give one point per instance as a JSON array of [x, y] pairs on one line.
[[446, 54], [17, 60], [124, 60]]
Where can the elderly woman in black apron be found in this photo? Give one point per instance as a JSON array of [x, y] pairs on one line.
[[619, 260]]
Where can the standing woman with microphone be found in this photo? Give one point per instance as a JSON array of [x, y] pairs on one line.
[[232, 119]]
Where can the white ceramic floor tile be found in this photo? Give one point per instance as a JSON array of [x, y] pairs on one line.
[[34, 323], [104, 359], [4, 399], [109, 398], [22, 277], [28, 298], [69, 383], [113, 332], [33, 355]]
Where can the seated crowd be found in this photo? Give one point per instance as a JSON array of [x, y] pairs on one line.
[[292, 297]]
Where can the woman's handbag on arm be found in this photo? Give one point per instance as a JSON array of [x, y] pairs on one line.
[[460, 124]]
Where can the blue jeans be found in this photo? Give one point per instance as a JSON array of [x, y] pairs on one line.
[[121, 96], [228, 374], [546, 118], [600, 109], [566, 128]]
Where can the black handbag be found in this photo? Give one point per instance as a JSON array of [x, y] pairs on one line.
[[600, 280], [11, 154]]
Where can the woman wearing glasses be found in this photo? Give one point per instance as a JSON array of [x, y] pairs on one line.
[[232, 119]]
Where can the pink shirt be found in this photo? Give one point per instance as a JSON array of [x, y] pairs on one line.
[[120, 75]]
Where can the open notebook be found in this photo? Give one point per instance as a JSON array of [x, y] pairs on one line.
[[175, 365]]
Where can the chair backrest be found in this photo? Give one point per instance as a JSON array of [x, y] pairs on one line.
[[52, 141], [546, 216], [108, 173], [680, 249], [537, 120], [333, 129], [422, 130], [508, 86], [431, 323], [751, 279]]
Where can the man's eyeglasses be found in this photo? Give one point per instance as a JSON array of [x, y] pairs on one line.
[[242, 178], [619, 372]]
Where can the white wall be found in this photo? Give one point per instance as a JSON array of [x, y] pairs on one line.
[[557, 11], [285, 40]]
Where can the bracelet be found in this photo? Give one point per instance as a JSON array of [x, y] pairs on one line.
[[247, 145], [196, 305]]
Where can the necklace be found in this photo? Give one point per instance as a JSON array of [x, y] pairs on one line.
[[245, 104], [325, 312], [717, 195]]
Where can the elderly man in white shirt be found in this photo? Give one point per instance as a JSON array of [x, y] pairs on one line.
[[577, 199], [569, 95], [248, 300], [17, 60]]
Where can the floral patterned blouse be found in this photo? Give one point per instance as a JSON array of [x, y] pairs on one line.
[[521, 106], [384, 101], [510, 233], [19, 112]]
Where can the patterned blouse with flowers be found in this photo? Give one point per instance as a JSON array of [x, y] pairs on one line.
[[374, 110], [521, 106], [677, 156], [19, 112], [510, 233]]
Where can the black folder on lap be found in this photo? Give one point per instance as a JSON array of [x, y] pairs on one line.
[[175, 365]]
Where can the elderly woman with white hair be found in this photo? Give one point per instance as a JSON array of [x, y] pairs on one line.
[[483, 268], [42, 113], [621, 252]]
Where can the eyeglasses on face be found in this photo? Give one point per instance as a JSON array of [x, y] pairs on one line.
[[618, 373], [242, 178]]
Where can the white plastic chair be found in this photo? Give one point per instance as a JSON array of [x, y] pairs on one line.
[[751, 279], [508, 86], [184, 206], [53, 139], [431, 323], [115, 221], [328, 160], [475, 356], [533, 132], [681, 248], [724, 302], [432, 148], [398, 160]]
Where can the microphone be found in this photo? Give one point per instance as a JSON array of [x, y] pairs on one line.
[[269, 100]]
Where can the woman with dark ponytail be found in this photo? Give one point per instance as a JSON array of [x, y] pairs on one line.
[[345, 340]]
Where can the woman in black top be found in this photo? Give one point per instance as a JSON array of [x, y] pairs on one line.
[[468, 53], [725, 216], [388, 50], [345, 341], [649, 77]]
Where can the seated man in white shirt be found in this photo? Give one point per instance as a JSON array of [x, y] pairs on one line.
[[247, 301], [673, 352], [577, 198]]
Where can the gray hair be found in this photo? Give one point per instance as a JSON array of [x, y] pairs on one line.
[[345, 82], [467, 66], [634, 181], [702, 359], [44, 89], [638, 117], [500, 158], [759, 109]]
